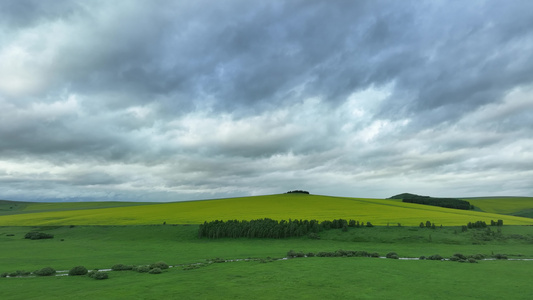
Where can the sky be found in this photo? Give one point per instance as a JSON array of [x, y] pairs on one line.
[[185, 100]]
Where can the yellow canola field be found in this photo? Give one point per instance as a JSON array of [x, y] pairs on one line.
[[283, 206]]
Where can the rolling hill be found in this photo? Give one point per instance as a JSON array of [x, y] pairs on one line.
[[515, 206], [281, 206]]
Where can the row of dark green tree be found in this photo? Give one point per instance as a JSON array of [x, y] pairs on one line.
[[268, 228], [298, 192], [441, 202]]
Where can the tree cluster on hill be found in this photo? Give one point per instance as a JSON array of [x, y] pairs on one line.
[[297, 192], [441, 202], [268, 228]]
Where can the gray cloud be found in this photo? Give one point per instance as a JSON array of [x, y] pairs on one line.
[[178, 100]]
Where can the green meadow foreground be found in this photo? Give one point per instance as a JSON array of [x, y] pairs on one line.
[[80, 240]]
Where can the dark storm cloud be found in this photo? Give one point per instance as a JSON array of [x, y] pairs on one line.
[[182, 99]]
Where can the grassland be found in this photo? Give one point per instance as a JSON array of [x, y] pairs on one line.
[[134, 234], [515, 206], [306, 278], [312, 278], [284, 206]]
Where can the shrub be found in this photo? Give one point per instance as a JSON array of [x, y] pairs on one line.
[[19, 273], [121, 267], [141, 269], [48, 271], [478, 256], [78, 270], [38, 235], [454, 258], [392, 255], [374, 254], [160, 264], [291, 254], [98, 275], [310, 254], [435, 257], [361, 253], [500, 256], [341, 252], [422, 257], [472, 260], [3, 275], [155, 271], [460, 256]]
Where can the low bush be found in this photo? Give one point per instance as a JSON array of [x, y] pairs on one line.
[[361, 253], [472, 260], [121, 267], [98, 275], [38, 235], [435, 257], [155, 271], [310, 254], [77, 271], [500, 256], [460, 256], [19, 273], [3, 275], [478, 256], [141, 269], [160, 264], [374, 254], [454, 258], [48, 271], [392, 255]]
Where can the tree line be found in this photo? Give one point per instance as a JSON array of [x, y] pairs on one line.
[[441, 202], [268, 228], [298, 192]]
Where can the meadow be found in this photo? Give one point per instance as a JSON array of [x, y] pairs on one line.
[[516, 206], [146, 240]]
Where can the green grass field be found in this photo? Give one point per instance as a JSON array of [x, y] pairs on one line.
[[312, 278], [134, 234], [301, 278], [516, 206]]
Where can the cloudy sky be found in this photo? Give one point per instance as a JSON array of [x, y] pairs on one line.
[[183, 100]]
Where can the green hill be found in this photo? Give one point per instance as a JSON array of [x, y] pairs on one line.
[[278, 207], [515, 206]]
